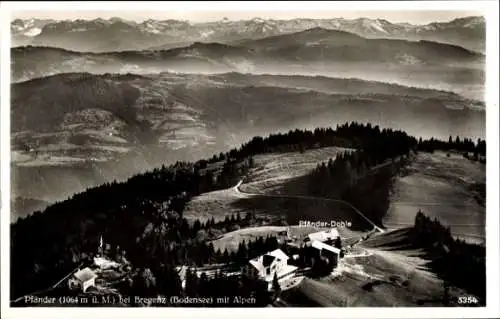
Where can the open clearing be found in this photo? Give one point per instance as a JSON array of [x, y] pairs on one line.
[[217, 204], [220, 204], [448, 188], [270, 173], [274, 170]]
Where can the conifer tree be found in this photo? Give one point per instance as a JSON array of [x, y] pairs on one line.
[[276, 285]]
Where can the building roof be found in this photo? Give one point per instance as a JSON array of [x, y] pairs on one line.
[[324, 235], [85, 274], [105, 263], [181, 271], [320, 245], [267, 260], [334, 233], [278, 253], [257, 264], [261, 262], [286, 270]]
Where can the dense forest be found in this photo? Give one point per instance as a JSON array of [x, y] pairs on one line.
[[454, 260], [163, 279], [142, 218]]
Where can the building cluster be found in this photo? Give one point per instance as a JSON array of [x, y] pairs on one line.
[[321, 246], [84, 278], [270, 265], [315, 247]]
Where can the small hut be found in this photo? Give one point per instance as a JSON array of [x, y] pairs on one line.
[[83, 279]]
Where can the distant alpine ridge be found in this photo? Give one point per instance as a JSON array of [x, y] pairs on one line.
[[115, 34]]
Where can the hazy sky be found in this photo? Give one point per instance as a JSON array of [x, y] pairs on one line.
[[414, 17]]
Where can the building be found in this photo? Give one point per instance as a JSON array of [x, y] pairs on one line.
[[326, 251], [182, 271], [104, 263], [323, 236], [103, 247], [284, 236], [322, 247], [270, 264], [83, 279]]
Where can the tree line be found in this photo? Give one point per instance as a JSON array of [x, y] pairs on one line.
[[162, 278], [455, 261], [466, 146]]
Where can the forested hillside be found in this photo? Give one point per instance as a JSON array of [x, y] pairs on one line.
[[142, 218]]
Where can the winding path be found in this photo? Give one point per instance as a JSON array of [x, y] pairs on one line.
[[238, 191], [377, 228]]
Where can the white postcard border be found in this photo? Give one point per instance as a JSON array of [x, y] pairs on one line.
[[488, 8]]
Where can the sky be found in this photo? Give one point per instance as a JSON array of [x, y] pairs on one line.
[[413, 17]]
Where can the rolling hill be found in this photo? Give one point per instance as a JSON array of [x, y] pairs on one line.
[[98, 128], [445, 187], [342, 45], [316, 51]]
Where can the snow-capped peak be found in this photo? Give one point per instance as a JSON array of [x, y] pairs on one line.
[[33, 32], [150, 26], [27, 28], [372, 25], [378, 26], [258, 20], [473, 22]]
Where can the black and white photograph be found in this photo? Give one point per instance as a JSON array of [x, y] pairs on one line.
[[257, 158]]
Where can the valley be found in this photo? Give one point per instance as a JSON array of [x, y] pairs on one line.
[[87, 136]]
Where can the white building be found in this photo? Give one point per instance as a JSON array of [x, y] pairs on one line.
[[83, 279], [271, 264], [104, 263], [182, 271], [322, 246], [323, 236], [324, 250]]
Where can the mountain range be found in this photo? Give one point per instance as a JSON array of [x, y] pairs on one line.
[[116, 34], [316, 51]]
